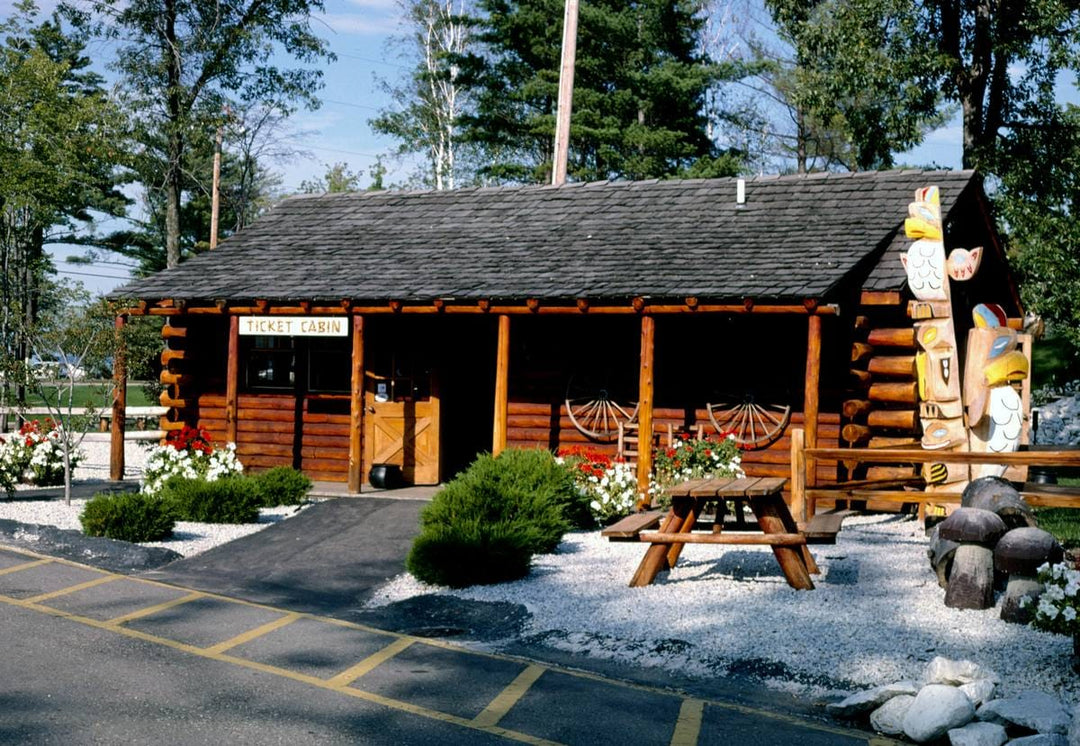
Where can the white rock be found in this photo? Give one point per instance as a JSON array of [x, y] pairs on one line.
[[864, 701], [979, 691], [889, 718], [1041, 739], [944, 671], [978, 734], [936, 710], [1036, 711], [1074, 727]]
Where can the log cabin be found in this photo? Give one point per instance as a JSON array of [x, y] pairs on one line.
[[417, 328]]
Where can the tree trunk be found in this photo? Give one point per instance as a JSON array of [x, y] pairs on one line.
[[175, 142]]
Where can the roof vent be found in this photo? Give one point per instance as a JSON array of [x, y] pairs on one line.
[[740, 192]]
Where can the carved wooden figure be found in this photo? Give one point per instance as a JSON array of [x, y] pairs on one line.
[[939, 374], [924, 263], [963, 264], [984, 345]]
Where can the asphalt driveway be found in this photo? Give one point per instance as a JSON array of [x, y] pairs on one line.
[[326, 560]]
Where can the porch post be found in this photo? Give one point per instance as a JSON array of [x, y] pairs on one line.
[[811, 399], [356, 406], [645, 406], [232, 379], [502, 386], [119, 403]]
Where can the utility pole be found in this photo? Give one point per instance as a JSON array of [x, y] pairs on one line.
[[215, 190], [566, 93]]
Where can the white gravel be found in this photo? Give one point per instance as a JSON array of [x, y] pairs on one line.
[[876, 616], [188, 538]]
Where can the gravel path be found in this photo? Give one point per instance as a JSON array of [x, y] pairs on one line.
[[876, 616]]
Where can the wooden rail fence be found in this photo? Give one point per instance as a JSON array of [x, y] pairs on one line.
[[805, 494]]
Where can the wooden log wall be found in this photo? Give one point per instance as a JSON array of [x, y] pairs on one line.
[[267, 432], [178, 392], [535, 425], [882, 405]]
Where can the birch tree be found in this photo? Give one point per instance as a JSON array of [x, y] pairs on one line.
[[425, 116]]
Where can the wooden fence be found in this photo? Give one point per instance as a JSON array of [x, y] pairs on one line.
[[805, 495]]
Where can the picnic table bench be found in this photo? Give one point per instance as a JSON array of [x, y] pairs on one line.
[[775, 527]]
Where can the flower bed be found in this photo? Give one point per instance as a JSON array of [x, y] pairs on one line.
[[189, 453], [35, 455]]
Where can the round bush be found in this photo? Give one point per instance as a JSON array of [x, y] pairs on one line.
[[282, 485], [229, 500], [128, 516], [485, 525]]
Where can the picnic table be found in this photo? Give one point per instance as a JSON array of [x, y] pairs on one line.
[[775, 527]]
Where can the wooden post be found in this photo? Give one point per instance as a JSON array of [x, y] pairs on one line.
[[798, 475], [502, 386], [811, 399], [645, 407], [566, 93], [232, 379], [119, 403], [215, 189], [356, 406]]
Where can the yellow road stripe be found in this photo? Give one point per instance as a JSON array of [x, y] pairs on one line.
[[812, 725], [140, 613], [24, 566], [688, 726], [80, 587], [250, 635], [509, 696], [285, 673], [353, 673]]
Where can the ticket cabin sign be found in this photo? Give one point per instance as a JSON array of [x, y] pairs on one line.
[[294, 326]]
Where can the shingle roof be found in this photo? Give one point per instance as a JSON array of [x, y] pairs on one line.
[[795, 237]]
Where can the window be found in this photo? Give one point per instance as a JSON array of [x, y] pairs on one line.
[[317, 364]]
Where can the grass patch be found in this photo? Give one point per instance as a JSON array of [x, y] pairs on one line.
[[1063, 523], [88, 393]]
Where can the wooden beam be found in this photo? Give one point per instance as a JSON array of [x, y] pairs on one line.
[[119, 403], [799, 509], [527, 306], [880, 298], [232, 378], [812, 392], [356, 406], [903, 337], [645, 405], [502, 386], [921, 456]]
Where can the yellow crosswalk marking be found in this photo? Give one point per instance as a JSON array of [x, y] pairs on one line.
[[71, 589], [24, 566], [250, 635], [509, 696], [353, 673], [688, 726], [147, 611]]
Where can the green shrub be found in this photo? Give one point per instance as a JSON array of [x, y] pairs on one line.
[[282, 485], [470, 553], [485, 525], [128, 516], [230, 500]]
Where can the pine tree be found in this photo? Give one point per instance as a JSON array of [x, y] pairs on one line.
[[639, 90]]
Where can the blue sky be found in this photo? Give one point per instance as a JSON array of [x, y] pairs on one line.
[[362, 34]]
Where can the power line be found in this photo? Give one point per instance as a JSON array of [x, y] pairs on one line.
[[371, 59], [92, 274], [346, 103]]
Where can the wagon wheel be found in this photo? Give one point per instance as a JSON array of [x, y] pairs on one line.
[[753, 425], [598, 415]]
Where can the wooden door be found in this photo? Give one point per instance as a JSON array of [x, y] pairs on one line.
[[405, 433]]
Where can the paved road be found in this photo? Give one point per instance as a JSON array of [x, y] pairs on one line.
[[95, 657]]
